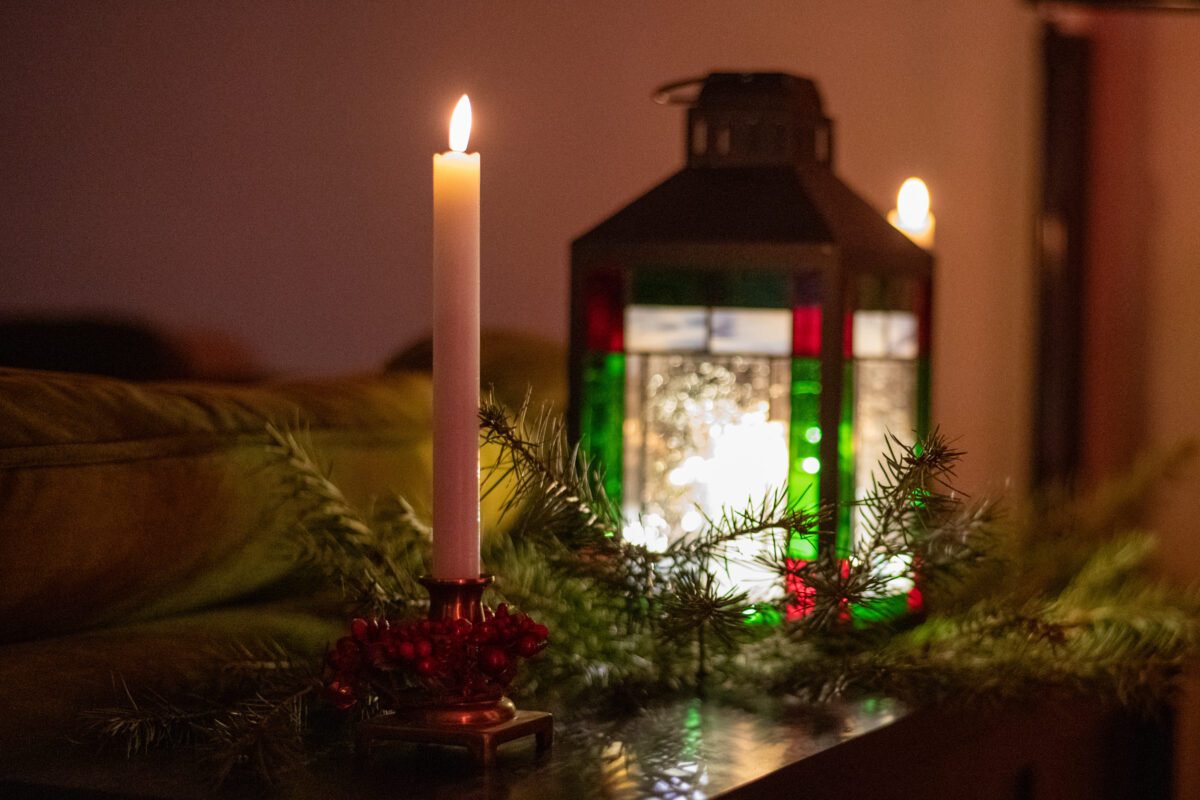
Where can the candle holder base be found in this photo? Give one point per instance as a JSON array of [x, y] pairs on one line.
[[456, 598], [475, 714], [480, 740]]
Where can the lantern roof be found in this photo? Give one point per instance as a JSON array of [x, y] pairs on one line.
[[748, 190], [735, 204], [780, 205]]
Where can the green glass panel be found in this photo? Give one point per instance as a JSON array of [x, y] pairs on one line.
[[762, 614], [757, 289], [880, 610], [845, 529], [670, 287], [804, 451], [602, 414], [667, 286]]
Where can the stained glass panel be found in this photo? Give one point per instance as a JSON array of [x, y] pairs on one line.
[[704, 432], [601, 415]]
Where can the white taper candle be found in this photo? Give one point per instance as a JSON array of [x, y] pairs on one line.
[[456, 354]]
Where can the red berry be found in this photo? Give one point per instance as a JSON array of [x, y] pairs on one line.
[[487, 631], [358, 628], [493, 660], [502, 610], [528, 646], [461, 627], [426, 667], [406, 651], [342, 694], [423, 647], [347, 662], [540, 631]]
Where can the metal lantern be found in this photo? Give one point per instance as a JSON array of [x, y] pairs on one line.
[[747, 324]]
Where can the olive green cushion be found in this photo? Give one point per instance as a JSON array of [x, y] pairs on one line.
[[121, 501], [126, 509], [46, 685]]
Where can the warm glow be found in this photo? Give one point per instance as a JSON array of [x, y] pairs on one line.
[[749, 458], [912, 205], [460, 126]]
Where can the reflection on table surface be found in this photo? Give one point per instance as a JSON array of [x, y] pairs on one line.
[[690, 749]]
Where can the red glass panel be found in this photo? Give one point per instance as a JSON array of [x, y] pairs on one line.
[[803, 596], [806, 331], [848, 334], [915, 600], [844, 605], [923, 303], [604, 312]]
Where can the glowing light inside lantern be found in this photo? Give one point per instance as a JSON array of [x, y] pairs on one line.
[[744, 458], [912, 205], [885, 391], [749, 461], [460, 125], [706, 428], [897, 571]]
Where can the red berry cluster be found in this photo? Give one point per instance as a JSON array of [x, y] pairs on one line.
[[452, 657]]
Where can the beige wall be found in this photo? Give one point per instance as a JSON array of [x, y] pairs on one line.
[[1144, 331], [1172, 301], [1172, 272], [263, 169], [1144, 338]]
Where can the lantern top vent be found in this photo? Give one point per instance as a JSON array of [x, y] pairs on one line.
[[753, 119]]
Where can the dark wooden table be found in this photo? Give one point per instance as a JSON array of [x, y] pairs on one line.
[[693, 750]]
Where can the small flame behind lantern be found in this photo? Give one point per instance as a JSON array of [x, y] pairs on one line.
[[460, 125], [912, 205]]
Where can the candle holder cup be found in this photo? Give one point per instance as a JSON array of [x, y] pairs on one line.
[[466, 705]]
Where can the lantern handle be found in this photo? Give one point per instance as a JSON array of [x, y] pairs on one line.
[[668, 94]]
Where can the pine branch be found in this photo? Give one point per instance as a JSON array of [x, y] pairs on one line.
[[248, 711], [770, 521], [695, 603], [552, 483], [155, 722], [332, 536], [263, 732], [1011, 611]]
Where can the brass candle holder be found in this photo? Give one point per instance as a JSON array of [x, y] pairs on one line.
[[478, 717]]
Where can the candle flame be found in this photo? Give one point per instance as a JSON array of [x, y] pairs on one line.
[[912, 205], [460, 125]]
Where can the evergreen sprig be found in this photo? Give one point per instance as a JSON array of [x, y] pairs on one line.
[[246, 710], [374, 561], [1057, 599]]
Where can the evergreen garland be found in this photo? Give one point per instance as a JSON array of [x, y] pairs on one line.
[[1058, 598]]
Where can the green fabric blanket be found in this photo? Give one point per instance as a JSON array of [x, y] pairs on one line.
[[143, 524], [121, 502]]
